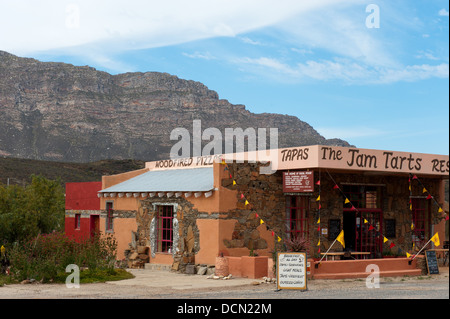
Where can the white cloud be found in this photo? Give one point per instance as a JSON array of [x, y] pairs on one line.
[[345, 71], [118, 25], [200, 55], [443, 12]]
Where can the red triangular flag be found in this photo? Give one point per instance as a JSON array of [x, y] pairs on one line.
[[446, 217], [273, 233], [392, 245], [353, 208], [429, 196], [335, 187], [320, 206], [371, 227], [414, 177], [242, 196], [256, 215], [318, 182]]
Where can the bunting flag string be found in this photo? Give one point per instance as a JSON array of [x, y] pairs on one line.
[[429, 196], [370, 226], [319, 208], [435, 238], [247, 203]]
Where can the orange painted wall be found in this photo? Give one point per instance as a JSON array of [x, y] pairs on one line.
[[122, 233], [222, 200], [212, 233]]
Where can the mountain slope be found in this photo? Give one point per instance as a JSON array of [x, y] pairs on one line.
[[60, 112]]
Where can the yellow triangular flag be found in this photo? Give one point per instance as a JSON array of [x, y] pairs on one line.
[[440, 210], [318, 222], [424, 190], [279, 239], [318, 198], [408, 255], [365, 221], [412, 226], [410, 206], [234, 182], [318, 244], [385, 239], [246, 202], [435, 240], [261, 222], [410, 187], [340, 238], [347, 201]]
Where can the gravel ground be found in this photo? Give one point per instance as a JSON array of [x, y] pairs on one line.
[[166, 285]]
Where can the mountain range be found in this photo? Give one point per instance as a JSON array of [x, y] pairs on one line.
[[64, 113]]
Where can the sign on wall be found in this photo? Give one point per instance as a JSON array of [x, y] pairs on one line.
[[291, 271], [298, 182]]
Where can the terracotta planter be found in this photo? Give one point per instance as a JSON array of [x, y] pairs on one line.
[[222, 269]]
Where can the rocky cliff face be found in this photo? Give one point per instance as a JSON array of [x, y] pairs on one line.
[[57, 111]]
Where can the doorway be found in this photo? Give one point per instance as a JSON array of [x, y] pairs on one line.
[[94, 225], [359, 236], [349, 228]]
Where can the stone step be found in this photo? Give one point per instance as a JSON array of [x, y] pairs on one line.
[[163, 267]]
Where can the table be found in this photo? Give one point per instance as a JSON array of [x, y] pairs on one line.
[[341, 253]]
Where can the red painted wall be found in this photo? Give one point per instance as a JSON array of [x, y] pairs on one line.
[[81, 196]]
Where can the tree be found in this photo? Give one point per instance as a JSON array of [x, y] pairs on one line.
[[25, 212]]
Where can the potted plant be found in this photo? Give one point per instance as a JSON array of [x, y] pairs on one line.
[[298, 244]]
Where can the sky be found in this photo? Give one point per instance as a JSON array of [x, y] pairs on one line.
[[374, 73]]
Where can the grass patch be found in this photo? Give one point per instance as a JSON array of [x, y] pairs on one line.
[[86, 276], [98, 276]]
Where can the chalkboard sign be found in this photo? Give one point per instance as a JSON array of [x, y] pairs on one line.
[[432, 264], [334, 228], [291, 271], [390, 228]]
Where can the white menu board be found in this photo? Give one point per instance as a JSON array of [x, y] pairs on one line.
[[291, 271]]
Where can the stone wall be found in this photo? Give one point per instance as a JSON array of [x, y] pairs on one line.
[[267, 201], [266, 198]]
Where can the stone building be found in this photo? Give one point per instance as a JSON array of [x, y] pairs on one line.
[[189, 211]]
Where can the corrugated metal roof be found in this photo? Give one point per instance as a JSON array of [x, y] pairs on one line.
[[176, 180]]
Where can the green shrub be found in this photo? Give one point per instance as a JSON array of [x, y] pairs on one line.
[[46, 257]]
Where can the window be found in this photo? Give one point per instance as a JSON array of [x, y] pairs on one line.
[[362, 196], [109, 216], [77, 221], [164, 228], [297, 208]]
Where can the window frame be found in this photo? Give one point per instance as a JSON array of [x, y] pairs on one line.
[[297, 216], [77, 221], [109, 219], [164, 228]]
